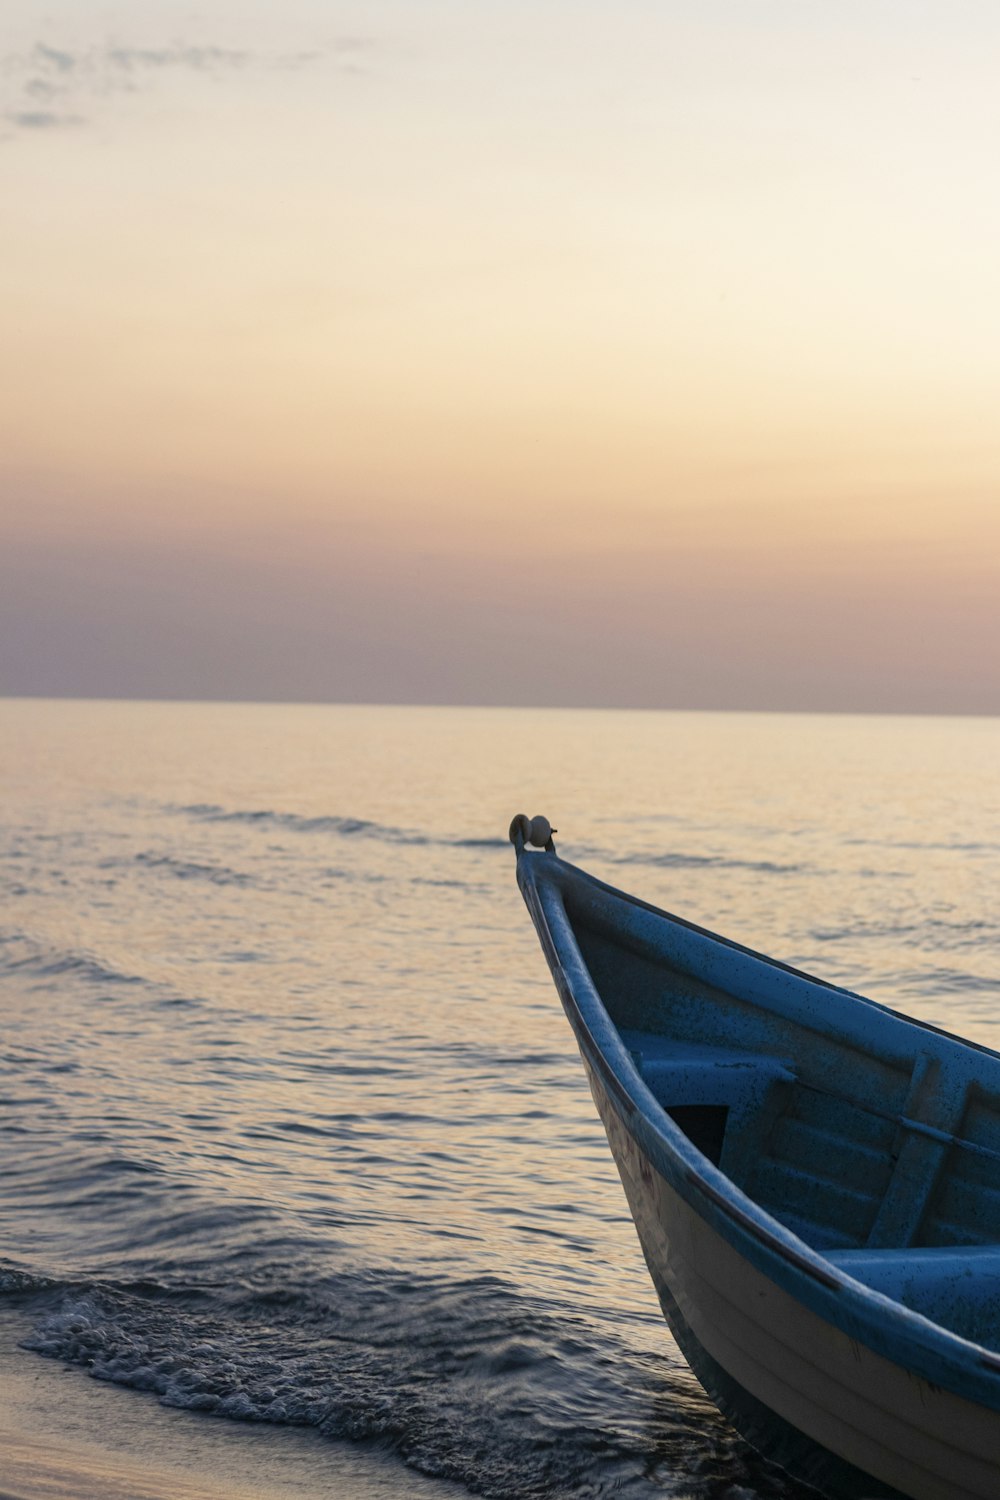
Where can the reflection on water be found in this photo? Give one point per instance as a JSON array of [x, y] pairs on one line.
[[294, 1127]]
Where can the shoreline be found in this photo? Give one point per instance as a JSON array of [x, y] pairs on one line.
[[65, 1436]]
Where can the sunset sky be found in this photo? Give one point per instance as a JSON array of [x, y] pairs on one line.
[[465, 351]]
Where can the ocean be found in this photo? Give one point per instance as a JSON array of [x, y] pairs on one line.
[[294, 1129]]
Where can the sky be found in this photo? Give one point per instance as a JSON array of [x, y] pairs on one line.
[[478, 351]]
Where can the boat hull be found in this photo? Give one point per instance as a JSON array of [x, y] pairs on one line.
[[827, 1408]]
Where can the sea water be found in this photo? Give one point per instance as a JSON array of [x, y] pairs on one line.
[[294, 1129]]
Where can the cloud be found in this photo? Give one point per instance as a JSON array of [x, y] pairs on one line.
[[46, 56], [42, 119], [41, 88], [53, 87], [200, 59]]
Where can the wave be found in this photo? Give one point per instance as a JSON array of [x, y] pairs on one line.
[[15, 1281], [463, 1379], [673, 860], [343, 827], [944, 934], [186, 869], [943, 981], [950, 846], [21, 955], [24, 956]]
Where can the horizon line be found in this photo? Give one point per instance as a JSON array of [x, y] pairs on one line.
[[264, 702]]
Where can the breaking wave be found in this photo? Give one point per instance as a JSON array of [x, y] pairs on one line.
[[463, 1379]]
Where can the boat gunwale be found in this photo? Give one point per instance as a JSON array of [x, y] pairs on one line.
[[883, 1324]]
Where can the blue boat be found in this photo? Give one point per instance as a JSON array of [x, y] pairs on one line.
[[815, 1181]]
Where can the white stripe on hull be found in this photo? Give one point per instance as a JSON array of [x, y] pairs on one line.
[[928, 1443]]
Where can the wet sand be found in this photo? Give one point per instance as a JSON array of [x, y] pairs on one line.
[[64, 1436]]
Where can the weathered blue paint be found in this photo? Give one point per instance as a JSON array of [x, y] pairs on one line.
[[848, 1155]]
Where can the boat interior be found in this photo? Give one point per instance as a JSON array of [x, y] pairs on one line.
[[872, 1138]]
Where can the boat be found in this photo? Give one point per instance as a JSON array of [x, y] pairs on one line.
[[815, 1182]]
